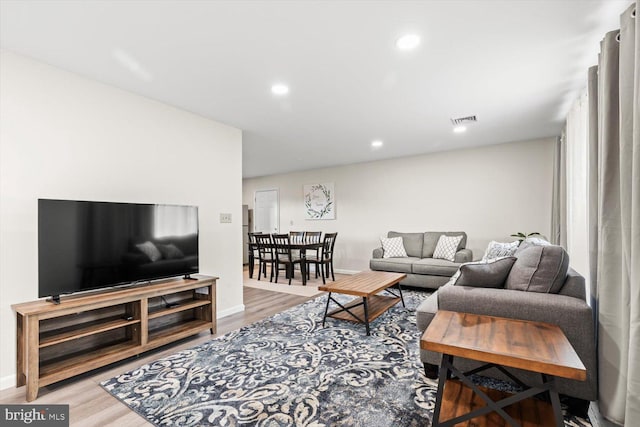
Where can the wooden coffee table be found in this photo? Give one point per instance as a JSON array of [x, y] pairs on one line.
[[368, 306], [499, 342]]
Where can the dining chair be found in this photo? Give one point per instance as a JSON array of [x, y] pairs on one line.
[[296, 236], [284, 256], [312, 237], [253, 252], [325, 261], [265, 254]]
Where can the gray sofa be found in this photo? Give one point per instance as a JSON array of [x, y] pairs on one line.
[[567, 308], [421, 269]]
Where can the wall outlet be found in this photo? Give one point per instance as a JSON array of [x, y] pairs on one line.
[[225, 218]]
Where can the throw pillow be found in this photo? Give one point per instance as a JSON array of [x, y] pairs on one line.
[[170, 251], [447, 247], [150, 250], [539, 269], [392, 247], [497, 250], [531, 241], [488, 274]]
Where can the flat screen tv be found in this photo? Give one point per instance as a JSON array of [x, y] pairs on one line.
[[89, 245]]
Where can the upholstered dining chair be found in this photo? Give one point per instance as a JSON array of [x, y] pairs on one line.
[[284, 255], [324, 262], [265, 254]]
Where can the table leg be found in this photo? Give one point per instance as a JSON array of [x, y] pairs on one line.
[[366, 314], [326, 309], [401, 297], [303, 266], [443, 376], [251, 264], [555, 401]]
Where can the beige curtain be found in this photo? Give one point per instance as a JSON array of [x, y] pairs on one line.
[[615, 217], [559, 194]]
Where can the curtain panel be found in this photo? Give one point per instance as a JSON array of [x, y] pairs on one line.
[[559, 195], [614, 217]]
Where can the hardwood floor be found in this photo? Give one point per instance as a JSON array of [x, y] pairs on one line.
[[90, 405]]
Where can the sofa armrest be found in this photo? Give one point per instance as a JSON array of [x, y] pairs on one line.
[[572, 315], [463, 255], [377, 253]]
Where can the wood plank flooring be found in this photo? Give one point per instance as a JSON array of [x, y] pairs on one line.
[[91, 406]]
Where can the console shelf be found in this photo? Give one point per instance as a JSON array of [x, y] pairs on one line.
[[182, 307], [85, 332], [73, 333]]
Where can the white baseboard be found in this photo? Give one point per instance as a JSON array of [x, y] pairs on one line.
[[8, 381], [341, 271], [229, 311]]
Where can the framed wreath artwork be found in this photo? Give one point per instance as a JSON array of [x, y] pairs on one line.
[[319, 201]]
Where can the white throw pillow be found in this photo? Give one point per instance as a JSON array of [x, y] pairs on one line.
[[447, 247], [392, 247], [498, 249], [150, 250]]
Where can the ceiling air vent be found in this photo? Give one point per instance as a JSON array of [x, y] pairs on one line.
[[460, 121]]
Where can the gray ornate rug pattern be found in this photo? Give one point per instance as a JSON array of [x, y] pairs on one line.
[[288, 370]]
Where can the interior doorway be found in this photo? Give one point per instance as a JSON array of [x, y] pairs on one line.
[[266, 213]]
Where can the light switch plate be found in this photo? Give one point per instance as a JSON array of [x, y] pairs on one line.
[[225, 218]]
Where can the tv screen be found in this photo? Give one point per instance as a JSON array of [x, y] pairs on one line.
[[87, 245]]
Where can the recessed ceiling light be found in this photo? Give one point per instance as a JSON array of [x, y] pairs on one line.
[[279, 89], [408, 42], [376, 144], [460, 129]]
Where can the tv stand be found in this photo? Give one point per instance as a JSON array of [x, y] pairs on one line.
[[188, 277], [60, 341]]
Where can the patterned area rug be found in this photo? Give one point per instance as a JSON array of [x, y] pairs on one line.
[[288, 370]]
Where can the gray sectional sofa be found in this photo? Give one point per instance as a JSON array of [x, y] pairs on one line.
[[539, 287], [421, 269]]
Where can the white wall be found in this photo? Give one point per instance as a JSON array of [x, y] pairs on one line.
[[489, 192], [63, 136]]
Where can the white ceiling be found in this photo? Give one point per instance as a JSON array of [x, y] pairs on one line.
[[517, 65]]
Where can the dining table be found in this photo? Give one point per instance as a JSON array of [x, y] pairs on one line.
[[303, 247]]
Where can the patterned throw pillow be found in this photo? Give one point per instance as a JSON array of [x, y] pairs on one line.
[[447, 247], [150, 250], [497, 250], [392, 247]]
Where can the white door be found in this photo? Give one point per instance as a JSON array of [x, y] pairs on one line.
[[266, 212]]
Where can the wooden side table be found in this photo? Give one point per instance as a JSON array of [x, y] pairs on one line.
[[500, 343]]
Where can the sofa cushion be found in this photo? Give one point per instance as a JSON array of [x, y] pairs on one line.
[[412, 242], [486, 274], [431, 241], [397, 265], [393, 247], [426, 311], [170, 251], [435, 267], [447, 247], [539, 269], [498, 249]]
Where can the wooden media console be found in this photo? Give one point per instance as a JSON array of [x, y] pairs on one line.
[[85, 332]]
